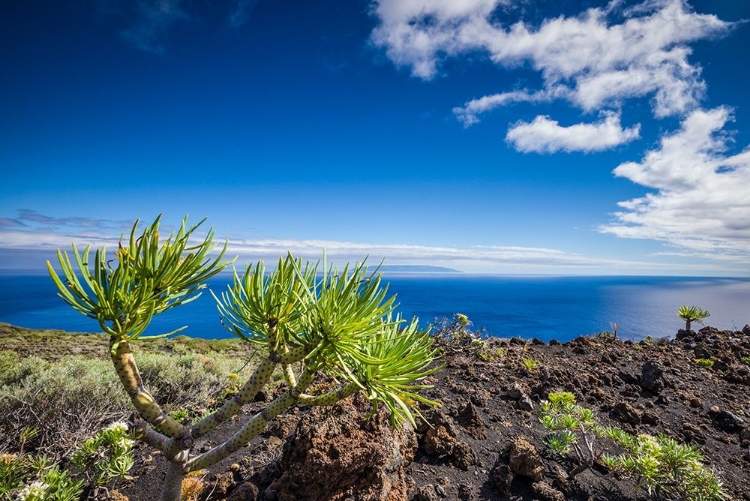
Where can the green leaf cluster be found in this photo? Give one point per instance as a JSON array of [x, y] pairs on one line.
[[665, 467], [692, 314], [342, 319], [146, 276], [662, 465], [32, 478], [562, 417], [108, 453]]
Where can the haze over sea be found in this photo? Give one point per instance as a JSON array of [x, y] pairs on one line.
[[544, 307]]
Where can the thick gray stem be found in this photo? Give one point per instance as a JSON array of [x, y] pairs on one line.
[[253, 427], [172, 488]]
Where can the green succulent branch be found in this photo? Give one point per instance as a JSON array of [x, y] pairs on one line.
[[339, 323]]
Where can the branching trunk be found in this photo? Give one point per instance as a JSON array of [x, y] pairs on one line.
[[254, 384], [144, 402], [253, 427]]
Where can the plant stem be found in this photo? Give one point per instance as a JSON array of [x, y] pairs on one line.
[[253, 427], [144, 402], [172, 488]]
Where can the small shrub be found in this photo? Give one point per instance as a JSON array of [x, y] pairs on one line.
[[530, 363], [459, 328], [703, 362], [108, 454], [745, 360], [192, 486], [31, 478], [661, 465], [668, 469]]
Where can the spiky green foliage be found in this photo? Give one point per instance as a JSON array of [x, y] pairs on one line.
[[150, 276], [340, 323], [668, 469], [560, 412], [663, 466], [560, 442], [692, 314]]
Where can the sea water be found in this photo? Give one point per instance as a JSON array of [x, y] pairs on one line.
[[541, 307]]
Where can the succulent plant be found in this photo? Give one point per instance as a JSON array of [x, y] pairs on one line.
[[338, 322], [692, 314]]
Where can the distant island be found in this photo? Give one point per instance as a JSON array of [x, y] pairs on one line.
[[416, 268]]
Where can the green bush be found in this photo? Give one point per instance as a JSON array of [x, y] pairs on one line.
[[30, 478], [78, 396], [661, 465], [108, 454], [666, 468]]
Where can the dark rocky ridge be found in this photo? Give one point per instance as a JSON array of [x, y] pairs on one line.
[[485, 442]]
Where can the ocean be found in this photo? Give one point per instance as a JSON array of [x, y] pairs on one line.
[[541, 307]]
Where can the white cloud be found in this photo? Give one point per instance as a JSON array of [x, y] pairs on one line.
[[469, 113], [702, 202], [37, 242], [586, 60], [544, 135]]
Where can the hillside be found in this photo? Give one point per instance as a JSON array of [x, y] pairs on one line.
[[486, 441]]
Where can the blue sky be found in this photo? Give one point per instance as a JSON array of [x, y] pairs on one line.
[[489, 136]]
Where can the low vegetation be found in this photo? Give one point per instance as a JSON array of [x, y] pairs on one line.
[[664, 467]]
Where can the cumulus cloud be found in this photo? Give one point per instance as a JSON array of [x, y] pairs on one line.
[[702, 203], [544, 135], [588, 60]]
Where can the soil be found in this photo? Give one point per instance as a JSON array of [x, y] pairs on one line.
[[485, 442]]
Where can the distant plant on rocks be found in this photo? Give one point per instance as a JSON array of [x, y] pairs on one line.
[[703, 362], [457, 328], [338, 322], [692, 314], [664, 467]]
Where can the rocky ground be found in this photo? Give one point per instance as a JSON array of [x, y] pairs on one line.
[[485, 442]]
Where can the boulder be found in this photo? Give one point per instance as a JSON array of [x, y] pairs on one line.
[[525, 460], [652, 376], [626, 413], [335, 454]]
